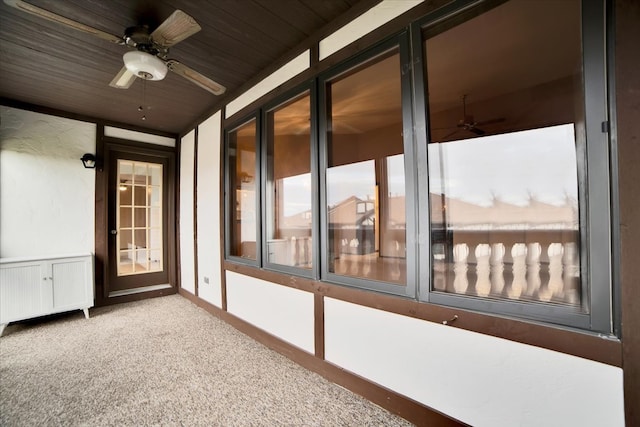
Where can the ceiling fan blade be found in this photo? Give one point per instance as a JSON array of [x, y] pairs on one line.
[[50, 16], [124, 79], [175, 28], [195, 77]]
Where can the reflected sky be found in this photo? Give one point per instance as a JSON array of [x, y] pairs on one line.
[[513, 167]]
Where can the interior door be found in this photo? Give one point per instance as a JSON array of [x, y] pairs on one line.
[[139, 217]]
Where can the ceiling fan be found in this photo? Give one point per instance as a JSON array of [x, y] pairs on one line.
[[468, 123], [148, 58]]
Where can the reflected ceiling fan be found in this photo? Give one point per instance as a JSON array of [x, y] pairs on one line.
[[148, 58], [468, 123]]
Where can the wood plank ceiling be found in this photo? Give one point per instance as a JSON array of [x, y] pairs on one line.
[[49, 65]]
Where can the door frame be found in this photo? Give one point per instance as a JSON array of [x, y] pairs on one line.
[[106, 150]]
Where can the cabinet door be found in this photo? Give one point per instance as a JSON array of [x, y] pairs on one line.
[[21, 291], [72, 284]]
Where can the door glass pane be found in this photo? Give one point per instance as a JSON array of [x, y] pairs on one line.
[[154, 219], [154, 196], [125, 172], [242, 175], [289, 199], [139, 216], [506, 115], [139, 227], [126, 239], [155, 175], [365, 174], [126, 193], [126, 216]]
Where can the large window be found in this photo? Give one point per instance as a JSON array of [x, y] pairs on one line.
[[462, 163], [242, 190], [364, 177], [506, 150], [289, 184]]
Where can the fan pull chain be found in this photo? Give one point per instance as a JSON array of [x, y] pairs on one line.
[[144, 96]]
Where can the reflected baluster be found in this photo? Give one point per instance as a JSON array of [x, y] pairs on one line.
[[294, 251], [395, 269], [556, 284], [355, 262], [533, 268], [366, 264], [497, 268], [344, 258], [460, 254], [306, 258], [519, 254], [571, 271], [483, 283], [439, 270]]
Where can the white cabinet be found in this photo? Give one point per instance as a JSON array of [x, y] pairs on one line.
[[32, 287]]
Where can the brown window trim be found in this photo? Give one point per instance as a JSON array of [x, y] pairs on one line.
[[603, 349]]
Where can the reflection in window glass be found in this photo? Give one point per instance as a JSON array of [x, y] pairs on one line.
[[502, 155], [365, 173], [289, 184], [242, 171]]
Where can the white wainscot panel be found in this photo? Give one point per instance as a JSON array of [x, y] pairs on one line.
[[208, 211], [478, 379], [375, 17], [284, 312], [139, 136], [272, 81], [187, 253]]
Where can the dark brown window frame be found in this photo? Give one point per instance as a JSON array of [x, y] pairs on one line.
[[605, 348]]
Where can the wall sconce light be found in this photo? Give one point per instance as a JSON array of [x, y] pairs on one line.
[[89, 161]]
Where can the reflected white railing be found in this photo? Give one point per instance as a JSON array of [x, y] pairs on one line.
[[541, 271], [293, 251]]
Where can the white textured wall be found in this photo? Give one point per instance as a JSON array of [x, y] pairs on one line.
[[46, 196], [478, 379], [187, 270], [208, 210], [284, 312]]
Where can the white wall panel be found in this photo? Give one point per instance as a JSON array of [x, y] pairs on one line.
[[478, 379], [275, 79], [208, 210], [364, 24], [139, 136], [187, 268], [47, 197], [284, 312]]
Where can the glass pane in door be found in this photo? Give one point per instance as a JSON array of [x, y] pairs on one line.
[[139, 218]]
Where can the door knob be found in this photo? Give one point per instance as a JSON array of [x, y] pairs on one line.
[[114, 232]]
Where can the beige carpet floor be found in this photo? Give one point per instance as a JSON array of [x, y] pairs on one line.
[[162, 361]]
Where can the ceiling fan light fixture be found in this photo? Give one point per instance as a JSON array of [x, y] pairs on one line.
[[145, 65]]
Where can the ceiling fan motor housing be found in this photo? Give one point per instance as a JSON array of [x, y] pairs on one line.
[[145, 65], [144, 62]]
